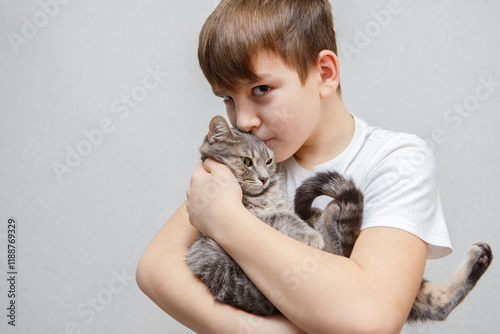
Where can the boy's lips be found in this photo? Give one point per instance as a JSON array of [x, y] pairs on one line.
[[266, 141]]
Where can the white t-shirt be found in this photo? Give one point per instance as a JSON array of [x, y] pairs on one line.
[[397, 174]]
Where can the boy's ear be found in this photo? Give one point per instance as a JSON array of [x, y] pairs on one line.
[[328, 66]]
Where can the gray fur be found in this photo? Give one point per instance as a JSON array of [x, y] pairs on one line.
[[435, 302], [334, 230], [263, 195]]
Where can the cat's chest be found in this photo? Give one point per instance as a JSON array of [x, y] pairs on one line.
[[271, 202]]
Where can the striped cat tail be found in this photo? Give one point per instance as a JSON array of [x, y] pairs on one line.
[[344, 193]]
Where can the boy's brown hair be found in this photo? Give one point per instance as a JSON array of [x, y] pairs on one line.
[[296, 30]]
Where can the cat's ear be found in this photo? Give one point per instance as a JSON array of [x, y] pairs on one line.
[[219, 130]]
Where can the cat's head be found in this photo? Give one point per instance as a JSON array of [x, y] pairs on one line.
[[250, 160]]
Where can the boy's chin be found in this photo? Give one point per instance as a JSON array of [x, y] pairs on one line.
[[281, 157]]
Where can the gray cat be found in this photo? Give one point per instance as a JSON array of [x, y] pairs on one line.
[[334, 230]]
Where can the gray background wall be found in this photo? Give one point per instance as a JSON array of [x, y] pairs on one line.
[[66, 69]]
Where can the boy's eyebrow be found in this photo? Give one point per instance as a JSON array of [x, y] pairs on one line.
[[260, 77], [216, 92], [220, 92], [263, 77]]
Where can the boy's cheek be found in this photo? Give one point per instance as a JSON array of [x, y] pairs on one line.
[[231, 115]]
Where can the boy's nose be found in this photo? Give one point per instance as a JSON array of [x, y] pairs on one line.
[[247, 120]]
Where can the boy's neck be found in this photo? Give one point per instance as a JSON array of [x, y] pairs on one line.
[[331, 137]]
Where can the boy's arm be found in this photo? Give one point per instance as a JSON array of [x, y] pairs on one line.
[[370, 292], [165, 278]]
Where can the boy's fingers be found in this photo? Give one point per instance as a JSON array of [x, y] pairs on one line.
[[209, 164], [216, 168], [198, 169]]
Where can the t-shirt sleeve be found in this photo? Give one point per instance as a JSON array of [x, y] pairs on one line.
[[401, 192]]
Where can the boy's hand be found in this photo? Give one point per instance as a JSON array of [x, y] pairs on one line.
[[212, 192]]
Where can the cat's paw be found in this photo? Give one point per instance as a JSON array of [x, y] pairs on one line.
[[480, 257], [311, 238], [331, 215]]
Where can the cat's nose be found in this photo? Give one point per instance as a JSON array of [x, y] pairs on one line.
[[263, 179]]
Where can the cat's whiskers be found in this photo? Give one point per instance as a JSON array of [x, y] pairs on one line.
[[254, 184]]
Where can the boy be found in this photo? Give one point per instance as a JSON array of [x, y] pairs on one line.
[[274, 63]]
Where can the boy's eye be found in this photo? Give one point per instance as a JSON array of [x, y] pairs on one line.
[[227, 98], [247, 162], [268, 162], [261, 90]]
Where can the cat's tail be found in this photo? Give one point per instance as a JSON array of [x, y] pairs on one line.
[[344, 193], [435, 302]]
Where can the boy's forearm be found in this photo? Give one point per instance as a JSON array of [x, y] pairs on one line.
[[165, 278], [281, 268], [307, 285]]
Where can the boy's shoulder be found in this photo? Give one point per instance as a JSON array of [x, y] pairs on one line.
[[378, 136], [371, 150], [382, 143], [375, 150]]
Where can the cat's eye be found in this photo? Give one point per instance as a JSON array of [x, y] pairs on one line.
[[268, 162], [261, 90], [247, 162]]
